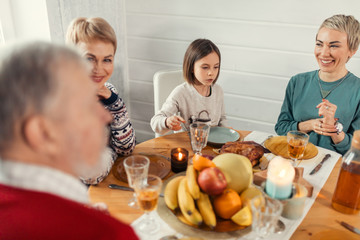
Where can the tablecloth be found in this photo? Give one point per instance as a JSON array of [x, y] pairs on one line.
[[317, 180]]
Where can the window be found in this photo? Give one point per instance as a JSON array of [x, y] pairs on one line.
[[1, 35], [6, 21]]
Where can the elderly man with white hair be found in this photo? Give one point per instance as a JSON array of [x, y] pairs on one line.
[[44, 90]]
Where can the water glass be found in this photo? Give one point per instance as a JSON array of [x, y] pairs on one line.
[[147, 193], [137, 168], [266, 212], [297, 142], [199, 133]]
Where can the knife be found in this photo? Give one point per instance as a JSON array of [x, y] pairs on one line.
[[317, 168], [115, 186], [351, 228]]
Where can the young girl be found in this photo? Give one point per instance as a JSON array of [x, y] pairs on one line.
[[97, 40], [201, 69]]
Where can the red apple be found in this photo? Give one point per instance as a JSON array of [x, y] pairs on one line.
[[212, 181]]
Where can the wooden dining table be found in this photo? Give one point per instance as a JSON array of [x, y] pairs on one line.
[[321, 222]]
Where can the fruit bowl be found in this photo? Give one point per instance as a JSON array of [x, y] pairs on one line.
[[176, 220], [222, 225]]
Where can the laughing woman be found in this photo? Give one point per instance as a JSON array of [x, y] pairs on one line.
[[326, 103], [97, 41]]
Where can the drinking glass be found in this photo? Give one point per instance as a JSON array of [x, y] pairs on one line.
[[297, 142], [199, 133], [136, 167], [147, 193], [266, 212]]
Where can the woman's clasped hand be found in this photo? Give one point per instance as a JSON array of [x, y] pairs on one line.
[[326, 125]]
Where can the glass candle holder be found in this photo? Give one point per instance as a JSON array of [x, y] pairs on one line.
[[179, 159]]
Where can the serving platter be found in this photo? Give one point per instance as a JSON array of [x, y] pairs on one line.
[[218, 136], [278, 145], [159, 166]]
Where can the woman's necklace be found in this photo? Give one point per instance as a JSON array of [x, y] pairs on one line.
[[325, 93]]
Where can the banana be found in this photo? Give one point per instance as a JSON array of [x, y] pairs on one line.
[[206, 210], [171, 193], [193, 186], [186, 202], [195, 218]]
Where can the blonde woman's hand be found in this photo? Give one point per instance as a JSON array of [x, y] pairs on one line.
[[104, 92], [309, 125], [327, 110], [174, 122], [322, 128]]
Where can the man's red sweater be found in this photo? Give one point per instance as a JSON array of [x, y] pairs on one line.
[[28, 214]]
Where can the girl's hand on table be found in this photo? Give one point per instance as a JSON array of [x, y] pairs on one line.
[[174, 122]]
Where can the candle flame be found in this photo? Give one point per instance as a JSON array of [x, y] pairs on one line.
[[282, 173], [180, 156]]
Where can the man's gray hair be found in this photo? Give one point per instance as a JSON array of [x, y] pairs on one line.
[[28, 79]]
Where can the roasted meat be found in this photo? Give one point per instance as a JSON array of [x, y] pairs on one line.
[[250, 149]]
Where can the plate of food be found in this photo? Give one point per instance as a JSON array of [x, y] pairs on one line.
[[218, 136], [159, 166], [250, 149]]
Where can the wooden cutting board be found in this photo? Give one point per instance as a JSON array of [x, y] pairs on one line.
[[278, 146]]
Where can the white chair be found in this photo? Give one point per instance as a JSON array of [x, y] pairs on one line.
[[164, 83]]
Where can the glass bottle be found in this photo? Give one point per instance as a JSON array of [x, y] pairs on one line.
[[346, 198]]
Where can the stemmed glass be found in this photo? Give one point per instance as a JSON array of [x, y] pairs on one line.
[[297, 142], [199, 133], [266, 212], [147, 193], [136, 167]]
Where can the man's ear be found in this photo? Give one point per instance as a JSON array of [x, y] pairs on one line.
[[39, 134]]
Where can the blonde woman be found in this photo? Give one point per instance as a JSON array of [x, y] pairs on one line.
[[97, 41], [325, 103]]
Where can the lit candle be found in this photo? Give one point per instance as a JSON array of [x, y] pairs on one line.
[[179, 159], [280, 177]]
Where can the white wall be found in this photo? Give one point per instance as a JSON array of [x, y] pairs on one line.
[[263, 43], [62, 12], [24, 20]]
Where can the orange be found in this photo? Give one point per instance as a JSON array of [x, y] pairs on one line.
[[201, 162], [227, 204]]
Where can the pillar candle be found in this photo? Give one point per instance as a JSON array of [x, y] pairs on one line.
[[280, 177]]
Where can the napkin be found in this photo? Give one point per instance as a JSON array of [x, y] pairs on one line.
[[164, 230]]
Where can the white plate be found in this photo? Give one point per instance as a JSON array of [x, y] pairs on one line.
[[218, 136]]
